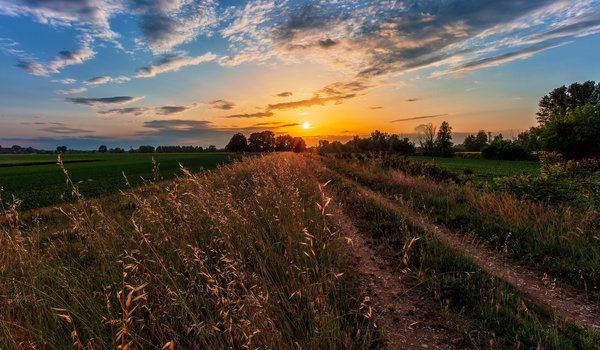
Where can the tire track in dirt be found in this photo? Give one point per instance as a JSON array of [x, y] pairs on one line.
[[566, 302], [409, 320]]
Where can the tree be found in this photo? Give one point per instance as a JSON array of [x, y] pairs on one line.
[[530, 140], [427, 139], [238, 143], [562, 100], [146, 149], [503, 149], [102, 149], [61, 149], [443, 141], [262, 141], [475, 143], [298, 145], [284, 143], [402, 146], [379, 141], [576, 135]]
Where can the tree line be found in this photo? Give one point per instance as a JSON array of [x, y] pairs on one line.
[[568, 123], [265, 141], [377, 142]]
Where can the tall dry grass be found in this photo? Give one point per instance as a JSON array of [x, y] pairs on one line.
[[240, 257], [558, 240]]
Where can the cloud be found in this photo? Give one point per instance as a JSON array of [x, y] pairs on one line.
[[168, 110], [103, 79], [173, 62], [284, 94], [66, 81], [71, 91], [63, 59], [336, 92], [65, 130], [91, 16], [97, 80], [412, 99], [163, 110], [503, 58], [250, 115], [376, 107], [119, 100], [314, 101], [127, 110], [222, 104], [419, 117], [167, 23]]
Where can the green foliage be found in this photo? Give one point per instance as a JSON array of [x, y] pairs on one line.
[[530, 140], [484, 170], [558, 240], [575, 183], [562, 100], [504, 150], [575, 135]]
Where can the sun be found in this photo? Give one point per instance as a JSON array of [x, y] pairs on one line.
[[306, 125]]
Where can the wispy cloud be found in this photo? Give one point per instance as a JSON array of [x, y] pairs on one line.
[[284, 94], [222, 104], [419, 117], [65, 130], [117, 100], [127, 110], [250, 115], [63, 59], [173, 62], [71, 91], [103, 79], [168, 110], [66, 81]]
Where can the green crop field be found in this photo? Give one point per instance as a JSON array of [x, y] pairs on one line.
[[38, 181], [484, 169]]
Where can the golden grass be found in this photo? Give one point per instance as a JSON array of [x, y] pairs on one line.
[[240, 257]]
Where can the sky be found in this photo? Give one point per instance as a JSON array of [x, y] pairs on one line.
[[193, 72]]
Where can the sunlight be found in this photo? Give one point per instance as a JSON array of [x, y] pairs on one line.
[[306, 125]]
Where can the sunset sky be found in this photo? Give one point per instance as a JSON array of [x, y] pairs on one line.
[[126, 73]]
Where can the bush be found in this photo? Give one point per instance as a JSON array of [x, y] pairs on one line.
[[504, 150], [576, 183]]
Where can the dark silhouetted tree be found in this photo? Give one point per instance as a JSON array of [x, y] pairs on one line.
[[146, 149], [211, 148], [102, 149], [402, 146], [283, 143], [475, 143], [427, 139], [443, 141], [298, 145], [262, 141], [238, 143]]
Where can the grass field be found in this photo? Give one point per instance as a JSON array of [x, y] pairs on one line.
[[239, 258], [38, 181], [484, 169]]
